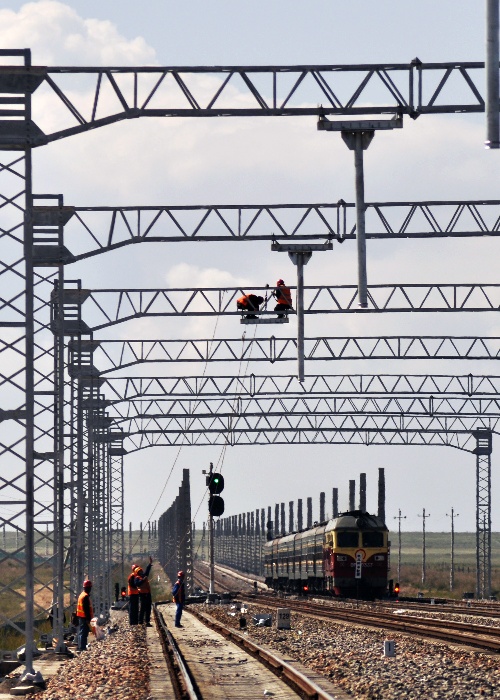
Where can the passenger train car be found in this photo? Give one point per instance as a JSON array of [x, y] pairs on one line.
[[327, 557]]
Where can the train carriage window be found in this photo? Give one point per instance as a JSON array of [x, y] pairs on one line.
[[373, 539], [347, 539]]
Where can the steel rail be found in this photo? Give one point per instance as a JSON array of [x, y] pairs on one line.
[[298, 681], [465, 633], [448, 607], [182, 681]]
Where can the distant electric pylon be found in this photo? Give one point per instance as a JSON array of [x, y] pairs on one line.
[[423, 516], [452, 552], [399, 517]]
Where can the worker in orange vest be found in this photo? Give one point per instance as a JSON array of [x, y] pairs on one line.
[[144, 588], [283, 297], [84, 613], [250, 303], [133, 598]]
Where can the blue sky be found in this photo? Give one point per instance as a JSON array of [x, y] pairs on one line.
[[266, 160]]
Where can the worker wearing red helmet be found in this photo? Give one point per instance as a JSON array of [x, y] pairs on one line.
[[179, 597], [144, 588], [283, 297], [133, 597], [84, 613], [250, 303]]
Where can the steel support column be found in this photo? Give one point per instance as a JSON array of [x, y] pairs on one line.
[[483, 512]]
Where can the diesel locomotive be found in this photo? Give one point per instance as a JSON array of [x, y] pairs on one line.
[[347, 556]]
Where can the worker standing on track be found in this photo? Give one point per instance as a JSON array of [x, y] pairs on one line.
[[179, 596], [144, 588], [249, 303], [283, 297], [84, 613], [133, 598]]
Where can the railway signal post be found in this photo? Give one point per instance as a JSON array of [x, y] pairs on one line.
[[215, 483]]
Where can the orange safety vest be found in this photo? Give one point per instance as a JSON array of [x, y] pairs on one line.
[[283, 295], [79, 608], [132, 588], [243, 300], [144, 586]]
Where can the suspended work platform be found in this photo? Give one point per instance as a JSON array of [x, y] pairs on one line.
[[266, 319]]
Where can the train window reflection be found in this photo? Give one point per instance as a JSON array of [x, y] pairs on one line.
[[373, 539], [347, 539]]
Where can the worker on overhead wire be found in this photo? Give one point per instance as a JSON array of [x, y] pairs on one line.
[[249, 303], [283, 298], [133, 597]]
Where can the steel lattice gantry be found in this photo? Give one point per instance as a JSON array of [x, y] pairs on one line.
[[414, 88], [33, 257], [112, 306], [94, 230], [110, 355]]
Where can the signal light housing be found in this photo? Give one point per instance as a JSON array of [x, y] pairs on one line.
[[215, 483], [216, 506]]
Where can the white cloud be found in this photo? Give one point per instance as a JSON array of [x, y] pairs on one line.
[[58, 35]]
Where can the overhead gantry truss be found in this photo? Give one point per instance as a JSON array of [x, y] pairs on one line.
[[291, 408], [110, 355], [94, 230], [118, 93], [112, 306], [369, 435], [196, 388]]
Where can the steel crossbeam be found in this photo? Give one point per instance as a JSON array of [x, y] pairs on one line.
[[460, 440], [195, 388], [108, 307], [118, 93], [296, 423], [110, 355], [435, 405], [94, 230]]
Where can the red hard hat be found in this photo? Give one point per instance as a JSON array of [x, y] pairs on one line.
[[279, 282], [134, 566], [180, 573], [87, 584]]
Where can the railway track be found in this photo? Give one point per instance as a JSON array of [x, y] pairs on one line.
[[478, 610], [478, 636], [451, 631], [195, 680]]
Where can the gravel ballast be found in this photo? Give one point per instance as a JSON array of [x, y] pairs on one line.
[[352, 658], [117, 667]]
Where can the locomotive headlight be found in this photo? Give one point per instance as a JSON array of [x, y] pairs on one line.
[[379, 557]]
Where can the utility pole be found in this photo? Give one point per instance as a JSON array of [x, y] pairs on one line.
[[452, 548], [423, 516], [399, 518]]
